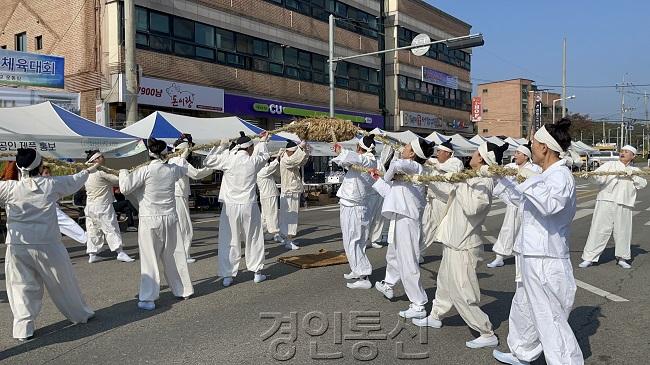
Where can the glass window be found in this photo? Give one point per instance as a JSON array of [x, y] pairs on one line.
[[291, 56], [305, 75], [291, 72], [260, 47], [141, 19], [160, 44], [21, 42], [221, 57], [304, 59], [341, 69], [158, 22], [206, 53], [319, 78], [341, 82], [244, 44], [341, 9], [225, 40], [183, 49], [183, 28], [402, 82], [318, 62], [353, 71], [374, 76], [276, 52], [38, 42], [260, 65], [276, 69], [204, 34], [235, 60], [141, 39]]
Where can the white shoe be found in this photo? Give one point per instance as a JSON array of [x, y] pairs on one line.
[[483, 341], [190, 260], [350, 276], [376, 245], [259, 278], [385, 289], [124, 257], [508, 358], [277, 238], [131, 229], [585, 264], [227, 281], [92, 258], [624, 264], [360, 284], [289, 245], [414, 311], [147, 305], [496, 263], [427, 322]]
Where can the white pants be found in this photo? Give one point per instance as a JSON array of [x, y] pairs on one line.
[[70, 228], [433, 213], [29, 268], [377, 221], [609, 218], [457, 286], [289, 205], [101, 225], [540, 310], [240, 221], [354, 229], [506, 240], [402, 258], [184, 231], [157, 241], [270, 214]]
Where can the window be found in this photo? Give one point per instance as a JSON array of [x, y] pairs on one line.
[[21, 42], [183, 28], [291, 56], [225, 40], [276, 52], [485, 91], [260, 48], [276, 69], [160, 43], [38, 42], [141, 19], [304, 59], [292, 72], [485, 110], [183, 49], [204, 34], [206, 53], [158, 23], [260, 65], [244, 44], [141, 39], [485, 130]]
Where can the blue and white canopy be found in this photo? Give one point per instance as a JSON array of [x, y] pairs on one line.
[[169, 127], [58, 133]]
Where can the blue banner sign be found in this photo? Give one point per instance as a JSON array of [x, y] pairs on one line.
[[31, 69]]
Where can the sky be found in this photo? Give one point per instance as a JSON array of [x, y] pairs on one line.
[[606, 41]]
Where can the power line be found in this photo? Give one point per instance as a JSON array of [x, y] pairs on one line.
[[70, 26]]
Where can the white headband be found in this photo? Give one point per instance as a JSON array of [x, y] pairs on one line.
[[542, 136], [24, 172], [158, 156], [291, 149], [182, 146], [629, 148], [524, 149], [245, 145], [367, 148], [444, 148], [488, 156], [415, 144], [94, 157]]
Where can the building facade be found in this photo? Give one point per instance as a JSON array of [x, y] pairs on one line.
[[508, 107], [261, 60]]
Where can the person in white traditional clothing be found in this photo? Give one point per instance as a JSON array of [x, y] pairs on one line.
[[67, 225], [36, 258], [153, 186], [506, 240], [101, 220], [292, 160], [444, 162], [403, 205], [613, 211], [269, 198], [545, 284], [460, 232], [378, 221], [182, 191], [355, 197], [240, 214]]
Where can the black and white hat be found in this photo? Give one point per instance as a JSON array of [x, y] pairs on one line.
[[243, 142], [446, 146], [422, 148], [291, 146], [157, 148], [491, 153], [367, 142]]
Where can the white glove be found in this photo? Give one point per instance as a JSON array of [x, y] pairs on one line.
[[93, 168], [186, 153], [484, 171], [526, 172]]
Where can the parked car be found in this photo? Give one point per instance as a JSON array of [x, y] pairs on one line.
[[600, 157]]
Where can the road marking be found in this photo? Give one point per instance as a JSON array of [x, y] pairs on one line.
[[206, 220], [600, 292], [325, 207], [494, 212]]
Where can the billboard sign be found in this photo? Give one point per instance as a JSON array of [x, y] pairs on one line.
[[476, 109], [31, 69], [439, 78]]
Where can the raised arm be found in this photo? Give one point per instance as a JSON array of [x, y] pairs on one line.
[[217, 158], [406, 167], [474, 197], [296, 160], [549, 196], [130, 182], [68, 185]]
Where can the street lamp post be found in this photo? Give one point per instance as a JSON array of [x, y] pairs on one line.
[[560, 99]]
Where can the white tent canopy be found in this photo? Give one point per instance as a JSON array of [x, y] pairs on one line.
[[58, 133], [319, 148], [581, 147], [462, 147]]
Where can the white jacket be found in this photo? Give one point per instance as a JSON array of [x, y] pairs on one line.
[[547, 205], [440, 191], [99, 188], [468, 206], [619, 189], [182, 186], [216, 156], [240, 173], [31, 215], [356, 187], [401, 198], [290, 179], [266, 181], [154, 187]]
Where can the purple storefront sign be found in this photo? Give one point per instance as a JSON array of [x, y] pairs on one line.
[[244, 106]]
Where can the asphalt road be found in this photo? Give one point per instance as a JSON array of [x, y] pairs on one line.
[[309, 316]]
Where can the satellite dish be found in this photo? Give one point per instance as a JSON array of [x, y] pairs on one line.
[[421, 39]]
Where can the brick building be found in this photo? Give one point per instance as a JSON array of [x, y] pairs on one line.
[[262, 60], [509, 107]]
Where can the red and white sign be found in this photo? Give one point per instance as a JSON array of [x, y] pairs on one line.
[[476, 109], [175, 94]]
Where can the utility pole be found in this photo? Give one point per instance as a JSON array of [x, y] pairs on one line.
[[622, 89], [563, 79], [129, 63], [331, 63]]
